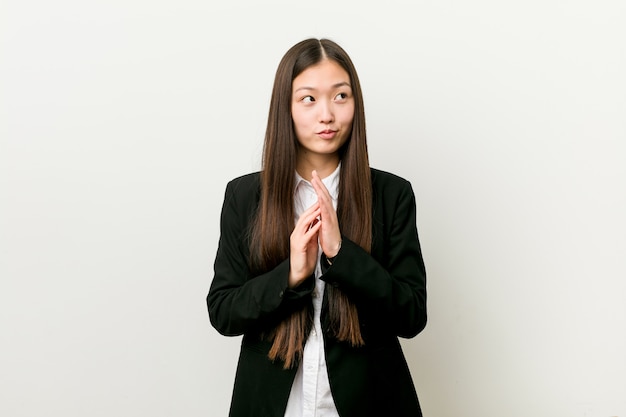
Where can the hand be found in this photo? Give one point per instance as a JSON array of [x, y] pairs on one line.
[[304, 246], [329, 235]]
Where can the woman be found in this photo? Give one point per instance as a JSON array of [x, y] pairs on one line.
[[319, 264]]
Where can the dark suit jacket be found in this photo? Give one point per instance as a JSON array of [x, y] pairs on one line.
[[388, 287]]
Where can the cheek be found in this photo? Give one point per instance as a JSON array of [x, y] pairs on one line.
[[347, 116], [299, 126], [345, 119], [299, 121]]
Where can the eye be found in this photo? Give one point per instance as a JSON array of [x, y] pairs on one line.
[[307, 99], [341, 96]]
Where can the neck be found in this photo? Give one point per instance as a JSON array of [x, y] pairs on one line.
[[323, 164]]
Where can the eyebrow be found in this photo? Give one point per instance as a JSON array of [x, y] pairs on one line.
[[334, 86]]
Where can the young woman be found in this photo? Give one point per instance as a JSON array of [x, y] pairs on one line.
[[319, 264]]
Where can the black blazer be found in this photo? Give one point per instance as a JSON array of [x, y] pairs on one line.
[[388, 287]]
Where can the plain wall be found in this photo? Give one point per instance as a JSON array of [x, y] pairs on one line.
[[122, 121]]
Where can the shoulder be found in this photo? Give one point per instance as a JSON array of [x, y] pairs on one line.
[[244, 183], [393, 198], [243, 191], [383, 180]]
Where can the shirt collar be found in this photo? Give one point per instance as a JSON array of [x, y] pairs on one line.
[[331, 182]]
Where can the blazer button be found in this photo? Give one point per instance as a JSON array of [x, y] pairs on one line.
[[281, 294]]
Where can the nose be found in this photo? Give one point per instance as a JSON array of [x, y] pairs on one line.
[[326, 113]]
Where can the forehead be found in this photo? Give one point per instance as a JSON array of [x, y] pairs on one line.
[[325, 74]]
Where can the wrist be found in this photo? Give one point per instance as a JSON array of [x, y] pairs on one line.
[[331, 258]]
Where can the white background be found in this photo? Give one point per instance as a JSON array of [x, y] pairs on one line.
[[122, 121]]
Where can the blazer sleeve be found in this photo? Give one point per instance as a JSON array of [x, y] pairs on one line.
[[391, 287], [237, 301]]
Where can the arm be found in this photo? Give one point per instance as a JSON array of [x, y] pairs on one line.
[[389, 285], [237, 301]]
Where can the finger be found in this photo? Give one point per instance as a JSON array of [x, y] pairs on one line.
[[325, 202], [307, 218], [313, 223], [314, 228], [327, 208], [308, 212], [319, 186]]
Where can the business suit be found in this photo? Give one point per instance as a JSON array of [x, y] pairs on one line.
[[388, 287]]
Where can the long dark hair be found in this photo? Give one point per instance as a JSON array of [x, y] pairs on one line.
[[274, 222]]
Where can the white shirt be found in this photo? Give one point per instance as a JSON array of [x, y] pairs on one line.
[[310, 393]]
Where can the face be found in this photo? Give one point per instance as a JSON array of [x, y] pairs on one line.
[[322, 108]]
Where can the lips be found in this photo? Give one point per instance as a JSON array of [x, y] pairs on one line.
[[327, 134]]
